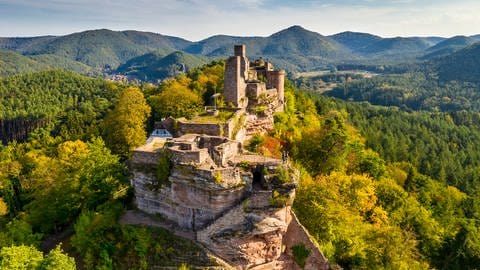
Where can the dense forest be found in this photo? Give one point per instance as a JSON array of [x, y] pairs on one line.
[[355, 200], [65, 172], [380, 188], [411, 91], [73, 103]]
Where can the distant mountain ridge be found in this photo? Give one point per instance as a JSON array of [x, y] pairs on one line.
[[462, 65], [294, 48], [449, 46], [154, 65]]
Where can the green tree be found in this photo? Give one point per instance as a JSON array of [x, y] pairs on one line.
[[125, 125], [176, 101], [57, 260], [78, 176], [327, 145]]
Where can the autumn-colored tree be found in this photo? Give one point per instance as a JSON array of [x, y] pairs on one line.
[[3, 207], [342, 212], [125, 125], [28, 257], [80, 176], [176, 100], [20, 257], [56, 259], [326, 145]]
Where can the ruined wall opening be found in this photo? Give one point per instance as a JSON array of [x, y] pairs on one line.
[[258, 177]]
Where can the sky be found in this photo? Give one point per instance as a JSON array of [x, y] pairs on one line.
[[198, 19]]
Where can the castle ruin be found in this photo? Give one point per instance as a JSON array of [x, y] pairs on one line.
[[235, 203], [246, 81]]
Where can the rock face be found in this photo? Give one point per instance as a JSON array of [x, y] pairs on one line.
[[238, 207], [197, 189], [252, 233]]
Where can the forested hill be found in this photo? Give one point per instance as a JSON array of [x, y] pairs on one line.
[[98, 48], [12, 63], [293, 48], [449, 46], [462, 65], [34, 100], [154, 65], [413, 91]]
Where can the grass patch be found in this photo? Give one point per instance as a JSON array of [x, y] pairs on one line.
[[206, 118]]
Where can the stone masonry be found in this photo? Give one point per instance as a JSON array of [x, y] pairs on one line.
[[244, 79]]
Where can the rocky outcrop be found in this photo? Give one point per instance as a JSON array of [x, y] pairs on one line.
[[297, 235], [197, 190], [250, 234], [236, 204]]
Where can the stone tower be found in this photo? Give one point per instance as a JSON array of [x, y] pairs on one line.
[[236, 73], [276, 79]]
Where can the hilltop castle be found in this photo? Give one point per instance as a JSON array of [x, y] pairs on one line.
[[198, 177], [248, 81]]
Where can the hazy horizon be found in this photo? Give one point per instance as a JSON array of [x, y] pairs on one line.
[[198, 19]]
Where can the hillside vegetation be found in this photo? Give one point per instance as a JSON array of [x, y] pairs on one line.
[[12, 63], [73, 102], [461, 65], [69, 177], [414, 91], [157, 66]]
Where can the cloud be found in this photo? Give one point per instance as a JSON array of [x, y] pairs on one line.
[[197, 19]]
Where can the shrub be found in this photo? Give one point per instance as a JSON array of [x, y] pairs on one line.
[[300, 254], [163, 168], [283, 175], [278, 200], [254, 142]]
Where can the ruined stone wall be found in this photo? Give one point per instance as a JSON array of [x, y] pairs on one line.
[[230, 125], [200, 128], [225, 152], [186, 157], [146, 157], [236, 73], [223, 130], [254, 90]]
